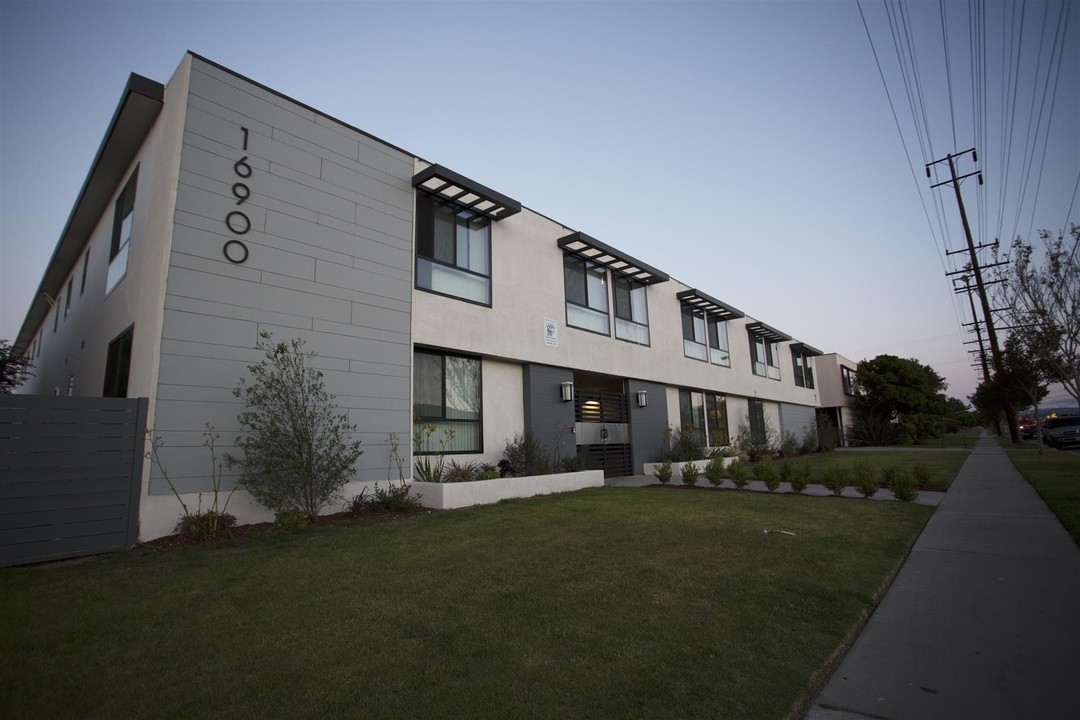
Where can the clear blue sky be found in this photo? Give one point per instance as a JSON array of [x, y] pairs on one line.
[[747, 149]]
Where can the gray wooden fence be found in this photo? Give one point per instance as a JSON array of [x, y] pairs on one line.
[[70, 476]]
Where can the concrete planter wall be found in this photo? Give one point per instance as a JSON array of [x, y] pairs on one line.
[[676, 468], [447, 496]]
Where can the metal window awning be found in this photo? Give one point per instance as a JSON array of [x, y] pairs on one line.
[[805, 349], [765, 331], [465, 193], [595, 251], [712, 306]]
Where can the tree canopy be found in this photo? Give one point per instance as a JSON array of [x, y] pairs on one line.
[[897, 387], [14, 368]]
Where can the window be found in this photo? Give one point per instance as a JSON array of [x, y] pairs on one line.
[[765, 358], [718, 342], [123, 217], [758, 432], [56, 318], [693, 332], [586, 295], [851, 386], [705, 413], [67, 301], [118, 364], [705, 337], [446, 394], [631, 310], [804, 369], [453, 251], [85, 263]]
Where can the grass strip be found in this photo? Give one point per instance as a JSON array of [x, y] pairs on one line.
[[611, 602], [942, 464], [1055, 475]]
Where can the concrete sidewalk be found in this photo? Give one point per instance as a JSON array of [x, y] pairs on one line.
[[983, 620]]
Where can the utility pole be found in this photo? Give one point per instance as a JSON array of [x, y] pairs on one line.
[[980, 286]]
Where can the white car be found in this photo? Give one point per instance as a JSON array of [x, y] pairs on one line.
[[1060, 432]]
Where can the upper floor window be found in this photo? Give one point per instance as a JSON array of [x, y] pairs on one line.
[[694, 335], [586, 295], [446, 394], [719, 353], [765, 358], [847, 375], [631, 310], [453, 251], [123, 218], [804, 369]]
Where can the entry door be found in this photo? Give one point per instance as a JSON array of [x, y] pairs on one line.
[[603, 431]]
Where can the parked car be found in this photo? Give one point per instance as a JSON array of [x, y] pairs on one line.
[[1060, 432], [1029, 430]]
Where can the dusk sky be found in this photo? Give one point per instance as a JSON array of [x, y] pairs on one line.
[[747, 149]]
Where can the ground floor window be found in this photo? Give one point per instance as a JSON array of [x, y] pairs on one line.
[[446, 396], [705, 414], [758, 433], [118, 365]]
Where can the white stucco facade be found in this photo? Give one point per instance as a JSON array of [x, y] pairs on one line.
[[255, 213]]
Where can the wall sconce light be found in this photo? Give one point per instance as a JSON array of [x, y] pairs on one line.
[[567, 390], [642, 398]]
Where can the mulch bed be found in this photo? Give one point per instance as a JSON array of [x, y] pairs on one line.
[[169, 542]]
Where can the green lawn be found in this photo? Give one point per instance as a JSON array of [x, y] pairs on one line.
[[942, 464], [609, 603], [1055, 475]]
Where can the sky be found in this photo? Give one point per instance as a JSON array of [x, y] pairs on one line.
[[770, 154]]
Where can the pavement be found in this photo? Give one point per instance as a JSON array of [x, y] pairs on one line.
[[983, 619]]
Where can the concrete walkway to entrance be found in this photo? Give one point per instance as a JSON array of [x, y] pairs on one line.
[[983, 620]]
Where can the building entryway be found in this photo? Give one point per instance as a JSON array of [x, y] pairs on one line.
[[602, 424]]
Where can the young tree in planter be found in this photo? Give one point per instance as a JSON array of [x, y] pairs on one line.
[[297, 452]]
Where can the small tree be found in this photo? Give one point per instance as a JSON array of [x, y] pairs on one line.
[[14, 368], [296, 448]]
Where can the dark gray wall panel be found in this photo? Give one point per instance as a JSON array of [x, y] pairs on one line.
[[647, 424], [545, 412]]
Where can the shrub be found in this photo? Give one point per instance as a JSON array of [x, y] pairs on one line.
[[397, 497], [789, 444], [714, 470], [526, 456], [865, 477], [290, 519], [487, 472], [921, 475], [765, 470], [739, 473], [901, 484], [798, 475], [462, 472], [873, 430], [296, 451], [685, 444], [809, 442], [663, 472], [430, 463], [202, 524], [835, 478], [571, 463], [690, 474]]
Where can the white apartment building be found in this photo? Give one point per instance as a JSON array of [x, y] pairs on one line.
[[217, 208]]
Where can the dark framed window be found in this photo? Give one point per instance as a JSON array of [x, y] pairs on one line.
[[719, 353], [586, 295], [447, 395], [705, 414], [694, 334], [848, 376], [67, 301], [85, 264], [631, 310], [453, 251], [764, 357], [758, 433], [803, 368], [123, 219], [118, 364]]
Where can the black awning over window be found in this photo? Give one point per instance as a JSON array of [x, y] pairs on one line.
[[771, 334], [806, 349], [711, 306], [595, 251], [465, 193]]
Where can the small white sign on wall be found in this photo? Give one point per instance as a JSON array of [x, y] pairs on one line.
[[551, 333]]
